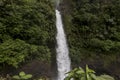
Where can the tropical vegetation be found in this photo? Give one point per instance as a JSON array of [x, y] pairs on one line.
[[92, 27], [87, 74], [27, 30]]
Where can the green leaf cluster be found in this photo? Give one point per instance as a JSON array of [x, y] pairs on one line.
[[22, 76], [13, 52], [87, 74]]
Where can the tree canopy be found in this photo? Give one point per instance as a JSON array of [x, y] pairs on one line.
[[27, 30]]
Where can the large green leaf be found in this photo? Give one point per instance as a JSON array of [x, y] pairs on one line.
[[106, 77], [16, 77], [27, 76], [22, 74]]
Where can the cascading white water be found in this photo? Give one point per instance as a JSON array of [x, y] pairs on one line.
[[63, 60]]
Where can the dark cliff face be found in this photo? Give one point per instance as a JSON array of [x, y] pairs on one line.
[[89, 27], [66, 6]]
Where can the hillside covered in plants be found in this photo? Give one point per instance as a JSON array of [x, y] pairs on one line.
[[93, 33], [27, 32]]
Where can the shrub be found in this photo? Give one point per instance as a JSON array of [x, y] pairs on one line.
[[22, 76], [87, 74]]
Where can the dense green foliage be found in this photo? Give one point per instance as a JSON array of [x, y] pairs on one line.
[[87, 74], [27, 30], [93, 26]]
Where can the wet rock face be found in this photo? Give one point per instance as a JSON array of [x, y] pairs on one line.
[[65, 7], [37, 69]]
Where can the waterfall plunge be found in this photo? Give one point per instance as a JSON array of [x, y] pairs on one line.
[[63, 60]]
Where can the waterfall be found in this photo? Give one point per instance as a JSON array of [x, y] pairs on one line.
[[63, 60]]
